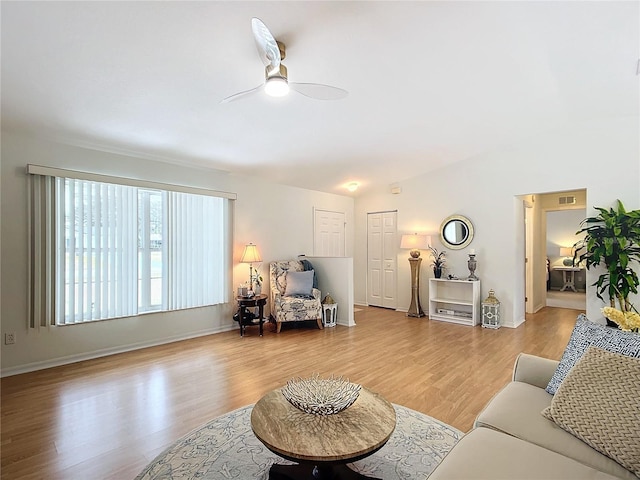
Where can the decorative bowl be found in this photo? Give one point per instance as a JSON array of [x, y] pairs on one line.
[[321, 396]]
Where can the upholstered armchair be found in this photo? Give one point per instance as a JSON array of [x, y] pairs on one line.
[[293, 296]]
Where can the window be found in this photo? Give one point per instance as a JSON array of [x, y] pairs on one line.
[[105, 250], [152, 205]]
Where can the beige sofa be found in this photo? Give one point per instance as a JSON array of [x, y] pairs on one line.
[[512, 440]]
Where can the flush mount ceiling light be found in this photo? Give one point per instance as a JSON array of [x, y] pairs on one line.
[[353, 186]]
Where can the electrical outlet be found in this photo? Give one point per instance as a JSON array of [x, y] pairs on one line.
[[9, 338]]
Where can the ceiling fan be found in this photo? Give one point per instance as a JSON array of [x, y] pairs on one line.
[[276, 82]]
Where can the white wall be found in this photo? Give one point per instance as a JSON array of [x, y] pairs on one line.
[[602, 157], [279, 219], [335, 277]]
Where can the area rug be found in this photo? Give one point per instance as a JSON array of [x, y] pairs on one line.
[[226, 448]]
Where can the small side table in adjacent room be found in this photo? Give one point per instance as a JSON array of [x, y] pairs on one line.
[[248, 302], [568, 277]]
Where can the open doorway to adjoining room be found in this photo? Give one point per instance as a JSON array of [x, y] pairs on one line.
[[551, 277]]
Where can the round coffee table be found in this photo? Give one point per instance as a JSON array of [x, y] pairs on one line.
[[322, 445]]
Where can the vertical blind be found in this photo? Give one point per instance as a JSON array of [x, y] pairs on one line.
[[97, 250], [104, 250], [195, 250]]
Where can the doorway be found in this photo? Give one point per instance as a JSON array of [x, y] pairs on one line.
[[551, 221], [566, 287]]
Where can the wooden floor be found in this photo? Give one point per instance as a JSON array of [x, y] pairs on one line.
[[107, 418]]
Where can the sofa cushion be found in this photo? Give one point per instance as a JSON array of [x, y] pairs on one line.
[[299, 283], [487, 454], [598, 403], [515, 410], [587, 333]]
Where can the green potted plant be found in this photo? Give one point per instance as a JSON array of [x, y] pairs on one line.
[[612, 239]]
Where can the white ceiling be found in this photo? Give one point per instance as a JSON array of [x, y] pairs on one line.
[[429, 83]]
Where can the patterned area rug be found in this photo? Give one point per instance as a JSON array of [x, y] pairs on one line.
[[226, 448]]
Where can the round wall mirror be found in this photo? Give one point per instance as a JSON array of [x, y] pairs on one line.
[[456, 232]]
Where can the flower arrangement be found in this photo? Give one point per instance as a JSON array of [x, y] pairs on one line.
[[628, 321], [257, 278], [439, 259]]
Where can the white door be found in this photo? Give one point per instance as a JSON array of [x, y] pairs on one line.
[[375, 274], [329, 233], [381, 259]]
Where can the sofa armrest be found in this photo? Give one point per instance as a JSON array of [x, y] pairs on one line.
[[316, 293], [536, 371]]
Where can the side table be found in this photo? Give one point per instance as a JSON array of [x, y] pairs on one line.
[[248, 302]]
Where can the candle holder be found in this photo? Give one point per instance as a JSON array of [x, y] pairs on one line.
[[472, 264]]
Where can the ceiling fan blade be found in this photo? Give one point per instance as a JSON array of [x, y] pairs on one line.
[[319, 91], [267, 46], [240, 95]]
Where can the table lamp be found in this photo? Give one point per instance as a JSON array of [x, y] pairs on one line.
[[567, 253], [251, 255]]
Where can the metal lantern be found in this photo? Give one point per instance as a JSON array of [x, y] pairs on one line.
[[491, 311], [329, 311]]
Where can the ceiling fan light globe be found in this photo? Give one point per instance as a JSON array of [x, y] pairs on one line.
[[276, 87]]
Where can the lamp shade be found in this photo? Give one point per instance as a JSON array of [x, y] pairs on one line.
[[251, 254], [566, 252], [415, 242]]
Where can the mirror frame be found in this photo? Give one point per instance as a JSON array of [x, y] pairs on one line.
[[466, 222]]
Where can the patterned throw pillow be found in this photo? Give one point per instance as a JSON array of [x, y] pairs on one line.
[[587, 333], [598, 403]]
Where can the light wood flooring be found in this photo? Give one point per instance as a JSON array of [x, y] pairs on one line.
[[107, 418]]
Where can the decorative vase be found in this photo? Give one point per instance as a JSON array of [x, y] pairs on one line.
[[437, 272], [472, 264]]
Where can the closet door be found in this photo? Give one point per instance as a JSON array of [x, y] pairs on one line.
[[381, 259]]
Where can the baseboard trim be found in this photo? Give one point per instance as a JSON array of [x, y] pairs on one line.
[[515, 324], [56, 362]]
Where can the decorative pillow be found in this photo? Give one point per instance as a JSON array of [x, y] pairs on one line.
[[585, 334], [299, 283], [598, 403]]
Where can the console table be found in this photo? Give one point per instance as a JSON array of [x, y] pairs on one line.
[[568, 277], [322, 444]]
